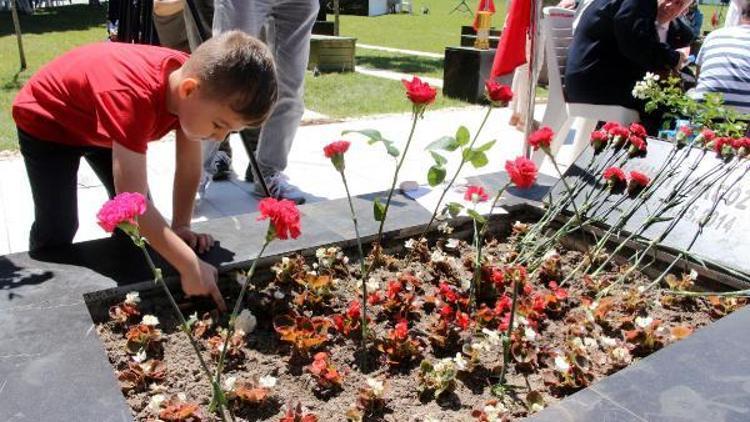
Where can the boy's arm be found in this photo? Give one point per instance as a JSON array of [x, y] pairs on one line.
[[196, 276], [187, 176]]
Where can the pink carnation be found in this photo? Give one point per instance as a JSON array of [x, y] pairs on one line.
[[123, 208]]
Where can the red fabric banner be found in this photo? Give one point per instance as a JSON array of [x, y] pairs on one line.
[[511, 50]]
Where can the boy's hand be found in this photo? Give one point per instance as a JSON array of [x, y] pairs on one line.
[[202, 282], [200, 242]]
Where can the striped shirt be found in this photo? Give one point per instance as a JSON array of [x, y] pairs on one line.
[[724, 62]]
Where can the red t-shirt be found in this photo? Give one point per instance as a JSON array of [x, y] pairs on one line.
[[101, 93]]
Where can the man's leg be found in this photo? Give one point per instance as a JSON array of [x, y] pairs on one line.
[[53, 174]]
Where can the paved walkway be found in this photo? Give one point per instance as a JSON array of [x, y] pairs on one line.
[[369, 169], [396, 76], [401, 51]]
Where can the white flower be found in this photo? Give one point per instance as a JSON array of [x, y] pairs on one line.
[[551, 253], [521, 320], [278, 295], [643, 322], [377, 387], [577, 342], [154, 404], [373, 285], [409, 244], [561, 364], [320, 253], [493, 412], [452, 243], [460, 362], [437, 256], [492, 337], [150, 320], [529, 333], [445, 228], [229, 383], [443, 365], [693, 275], [621, 354], [140, 357], [465, 284], [267, 381], [589, 342], [245, 321], [132, 298], [607, 341]]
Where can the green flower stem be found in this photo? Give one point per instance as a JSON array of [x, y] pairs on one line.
[[455, 175], [415, 117], [235, 311], [565, 183], [508, 333], [704, 221], [362, 268], [641, 254], [159, 279]]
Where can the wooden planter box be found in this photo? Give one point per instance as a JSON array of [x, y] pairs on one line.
[[332, 54]]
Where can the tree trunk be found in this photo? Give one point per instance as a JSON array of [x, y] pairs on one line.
[[17, 25]]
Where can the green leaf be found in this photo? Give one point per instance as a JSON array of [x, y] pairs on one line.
[[439, 159], [454, 208], [436, 175], [373, 134], [462, 136], [486, 147], [479, 159], [447, 143], [476, 216], [378, 210]]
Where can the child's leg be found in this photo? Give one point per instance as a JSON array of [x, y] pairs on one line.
[[100, 160], [53, 174]]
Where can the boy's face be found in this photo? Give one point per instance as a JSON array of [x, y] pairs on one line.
[[203, 118]]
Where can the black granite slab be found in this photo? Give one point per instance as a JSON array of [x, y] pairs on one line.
[[729, 224], [705, 377], [465, 71], [515, 196]]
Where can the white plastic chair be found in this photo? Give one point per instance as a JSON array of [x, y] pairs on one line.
[[561, 116]]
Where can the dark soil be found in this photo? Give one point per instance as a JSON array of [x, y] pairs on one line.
[[556, 331]]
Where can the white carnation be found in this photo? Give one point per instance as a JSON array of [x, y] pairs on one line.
[[529, 334], [561, 364], [267, 381], [377, 387], [643, 322], [460, 362], [245, 321], [154, 404], [229, 383], [452, 243], [132, 298]]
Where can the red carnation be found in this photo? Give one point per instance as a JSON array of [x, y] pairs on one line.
[[462, 320], [637, 146], [638, 182], [615, 178], [637, 129], [284, 216], [446, 312], [420, 93], [541, 139], [609, 126], [354, 310], [522, 172], [685, 130], [497, 93], [472, 190], [394, 288], [706, 136], [599, 139], [335, 148], [723, 146]]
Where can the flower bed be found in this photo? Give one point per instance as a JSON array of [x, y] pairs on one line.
[[432, 359]]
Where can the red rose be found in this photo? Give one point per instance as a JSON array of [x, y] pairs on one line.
[[541, 138], [472, 190], [637, 129], [336, 147], [638, 181], [420, 93], [498, 93], [522, 172], [284, 216]]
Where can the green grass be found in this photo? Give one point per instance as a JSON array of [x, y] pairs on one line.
[[46, 34], [413, 65], [354, 94], [431, 32]]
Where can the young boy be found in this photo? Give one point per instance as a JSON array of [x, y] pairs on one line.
[[104, 102]]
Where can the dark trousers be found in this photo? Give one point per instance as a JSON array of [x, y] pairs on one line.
[[53, 175]]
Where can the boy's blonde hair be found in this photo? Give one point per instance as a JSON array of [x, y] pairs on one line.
[[237, 68]]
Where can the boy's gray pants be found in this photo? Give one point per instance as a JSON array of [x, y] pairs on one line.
[[288, 37]]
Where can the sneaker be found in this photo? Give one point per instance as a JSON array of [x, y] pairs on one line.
[[221, 166], [280, 188]]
